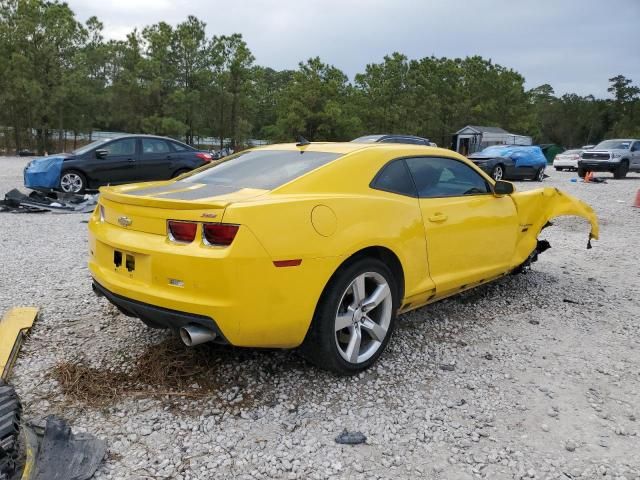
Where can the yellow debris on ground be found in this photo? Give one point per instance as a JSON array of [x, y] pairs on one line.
[[13, 327]]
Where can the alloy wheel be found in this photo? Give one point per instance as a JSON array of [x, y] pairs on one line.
[[497, 173], [71, 183], [363, 317]]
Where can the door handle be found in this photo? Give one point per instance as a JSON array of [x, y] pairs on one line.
[[130, 160], [438, 217]]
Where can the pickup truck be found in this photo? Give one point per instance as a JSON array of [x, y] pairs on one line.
[[618, 156]]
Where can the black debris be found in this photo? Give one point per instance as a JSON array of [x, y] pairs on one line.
[[488, 356], [447, 367], [10, 410], [351, 438], [534, 322], [37, 202], [568, 300], [62, 454]]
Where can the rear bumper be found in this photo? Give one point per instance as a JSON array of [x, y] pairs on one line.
[[158, 317], [565, 163], [236, 291]]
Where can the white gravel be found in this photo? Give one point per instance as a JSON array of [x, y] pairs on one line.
[[539, 388]]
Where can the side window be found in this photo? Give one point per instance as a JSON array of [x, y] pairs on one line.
[[395, 178], [126, 146], [445, 177], [178, 147], [153, 145], [636, 147]]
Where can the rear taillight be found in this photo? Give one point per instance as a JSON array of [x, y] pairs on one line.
[[219, 234], [182, 231], [204, 156]]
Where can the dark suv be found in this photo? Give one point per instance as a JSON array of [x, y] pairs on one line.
[[124, 159]]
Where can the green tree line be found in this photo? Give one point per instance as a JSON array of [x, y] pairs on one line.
[[58, 74]]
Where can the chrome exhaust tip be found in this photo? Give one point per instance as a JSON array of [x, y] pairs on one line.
[[192, 335]]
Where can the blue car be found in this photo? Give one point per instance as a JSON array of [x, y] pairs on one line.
[[511, 162]]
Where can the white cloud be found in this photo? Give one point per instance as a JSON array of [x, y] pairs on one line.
[[575, 45]]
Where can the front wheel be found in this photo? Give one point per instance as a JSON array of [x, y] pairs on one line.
[[73, 181], [498, 172], [582, 172], [621, 170], [354, 318], [539, 175]]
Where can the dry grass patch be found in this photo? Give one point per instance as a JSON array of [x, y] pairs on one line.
[[165, 370]]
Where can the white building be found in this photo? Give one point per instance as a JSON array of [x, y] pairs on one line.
[[474, 138]]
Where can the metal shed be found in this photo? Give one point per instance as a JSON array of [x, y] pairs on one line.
[[474, 138]]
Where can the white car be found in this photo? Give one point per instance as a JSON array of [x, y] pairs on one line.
[[567, 160]]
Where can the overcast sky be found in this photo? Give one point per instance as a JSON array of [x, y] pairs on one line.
[[574, 45]]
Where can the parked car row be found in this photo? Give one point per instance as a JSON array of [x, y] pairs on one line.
[[134, 158]]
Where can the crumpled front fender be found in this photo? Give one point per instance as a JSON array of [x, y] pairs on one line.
[[537, 207]]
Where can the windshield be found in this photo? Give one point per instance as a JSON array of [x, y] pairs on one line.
[[262, 169], [613, 145], [91, 146]]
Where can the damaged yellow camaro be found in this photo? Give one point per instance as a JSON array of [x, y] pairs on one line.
[[314, 245]]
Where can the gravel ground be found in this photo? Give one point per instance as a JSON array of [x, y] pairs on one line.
[[534, 376]]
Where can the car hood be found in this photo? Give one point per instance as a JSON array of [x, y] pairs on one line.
[[480, 156], [611, 150]]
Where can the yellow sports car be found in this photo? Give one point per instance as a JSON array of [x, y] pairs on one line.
[[315, 245]]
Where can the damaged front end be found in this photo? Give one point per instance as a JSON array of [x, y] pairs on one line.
[[535, 209]]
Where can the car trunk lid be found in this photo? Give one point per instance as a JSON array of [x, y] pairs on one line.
[[147, 207]]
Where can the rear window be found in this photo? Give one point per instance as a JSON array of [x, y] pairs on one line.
[[262, 169]]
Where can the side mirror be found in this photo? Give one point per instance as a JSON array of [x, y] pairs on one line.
[[102, 153], [503, 188]]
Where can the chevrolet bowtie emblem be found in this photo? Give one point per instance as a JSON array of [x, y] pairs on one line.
[[124, 221]]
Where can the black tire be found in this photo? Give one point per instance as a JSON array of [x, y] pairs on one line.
[[559, 169], [622, 170], [321, 345], [498, 171], [10, 410], [69, 184], [177, 173], [539, 176], [582, 172]]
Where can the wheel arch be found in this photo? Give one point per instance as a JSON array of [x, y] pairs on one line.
[[384, 254], [79, 170]]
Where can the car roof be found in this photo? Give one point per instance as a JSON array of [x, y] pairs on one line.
[[344, 148], [139, 135], [380, 137]]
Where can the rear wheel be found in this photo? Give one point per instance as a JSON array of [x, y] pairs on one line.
[[498, 172], [72, 181], [354, 318], [559, 169], [621, 170]]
